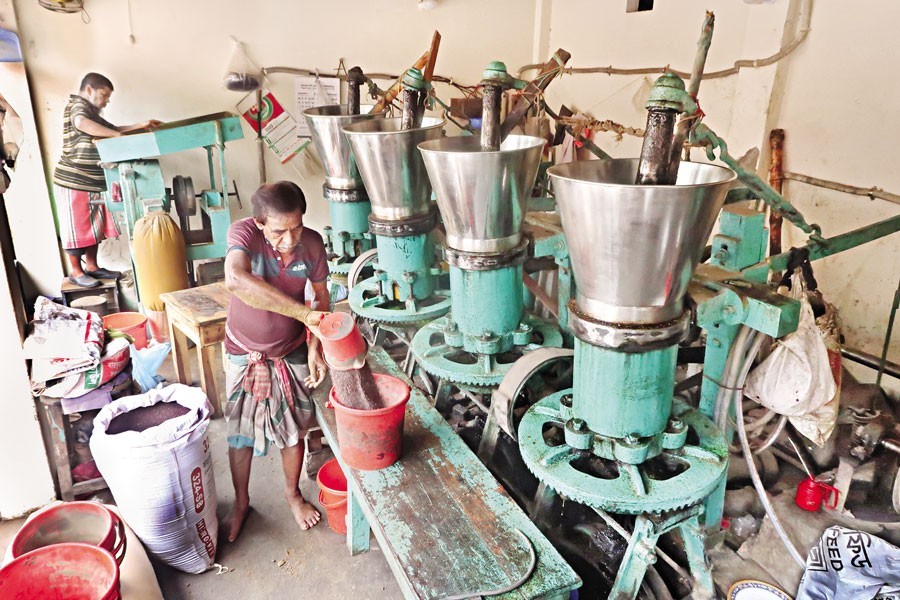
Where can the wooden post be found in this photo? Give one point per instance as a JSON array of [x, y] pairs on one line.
[[776, 180]]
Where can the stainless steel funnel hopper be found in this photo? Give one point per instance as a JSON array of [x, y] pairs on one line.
[[325, 123], [391, 165], [482, 195], [633, 247]]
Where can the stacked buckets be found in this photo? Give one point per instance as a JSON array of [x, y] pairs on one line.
[[369, 439], [70, 550], [333, 495]]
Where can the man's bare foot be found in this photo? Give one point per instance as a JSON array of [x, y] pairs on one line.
[[235, 520], [304, 513]]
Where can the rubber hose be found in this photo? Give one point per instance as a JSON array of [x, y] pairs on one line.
[[772, 436], [761, 492]]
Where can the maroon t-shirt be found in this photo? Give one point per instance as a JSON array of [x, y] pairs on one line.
[[262, 330]]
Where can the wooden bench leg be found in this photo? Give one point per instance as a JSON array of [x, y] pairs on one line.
[[357, 526], [59, 434], [179, 353], [208, 377]]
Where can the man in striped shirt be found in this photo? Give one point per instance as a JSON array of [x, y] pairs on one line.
[[78, 181]]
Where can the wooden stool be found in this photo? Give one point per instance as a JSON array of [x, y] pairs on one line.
[[107, 289], [198, 314]]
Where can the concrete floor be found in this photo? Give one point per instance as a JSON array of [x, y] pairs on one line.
[[272, 558]]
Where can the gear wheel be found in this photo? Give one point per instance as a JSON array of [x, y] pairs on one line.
[[619, 487], [465, 368], [439, 306]]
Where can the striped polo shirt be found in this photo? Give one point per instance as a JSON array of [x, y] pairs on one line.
[[79, 166], [261, 330]]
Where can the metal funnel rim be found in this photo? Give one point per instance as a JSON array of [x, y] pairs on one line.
[[338, 110], [580, 171], [469, 144], [390, 126]]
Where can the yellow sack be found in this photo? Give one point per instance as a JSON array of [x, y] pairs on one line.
[[160, 258]]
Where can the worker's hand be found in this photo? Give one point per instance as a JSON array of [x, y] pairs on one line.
[[151, 124], [312, 320], [317, 369]]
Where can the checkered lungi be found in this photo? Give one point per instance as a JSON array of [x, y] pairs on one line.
[[83, 220], [257, 422]]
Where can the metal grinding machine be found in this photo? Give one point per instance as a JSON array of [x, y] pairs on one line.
[[162, 252], [482, 188], [348, 202], [403, 291], [624, 445]]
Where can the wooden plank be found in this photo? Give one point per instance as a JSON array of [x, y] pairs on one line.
[[443, 522], [184, 324], [87, 487], [213, 333], [208, 378], [204, 304], [56, 422], [179, 353]]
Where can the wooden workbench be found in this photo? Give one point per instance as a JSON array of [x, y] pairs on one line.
[[445, 525], [198, 314]]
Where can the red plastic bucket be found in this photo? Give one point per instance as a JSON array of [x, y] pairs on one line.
[[61, 572], [372, 439], [132, 323], [342, 342], [84, 522], [332, 482], [336, 513]]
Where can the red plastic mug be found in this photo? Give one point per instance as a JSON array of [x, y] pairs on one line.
[[811, 494], [344, 346]]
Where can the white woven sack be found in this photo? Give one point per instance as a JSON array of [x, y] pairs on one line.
[[795, 379], [162, 477]]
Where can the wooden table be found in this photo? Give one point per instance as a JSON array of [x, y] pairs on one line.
[[444, 524], [198, 314]]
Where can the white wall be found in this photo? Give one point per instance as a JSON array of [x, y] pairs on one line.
[[174, 69], [838, 112], [603, 34], [25, 481], [28, 199]]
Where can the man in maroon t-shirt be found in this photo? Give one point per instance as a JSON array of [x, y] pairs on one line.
[[269, 366]]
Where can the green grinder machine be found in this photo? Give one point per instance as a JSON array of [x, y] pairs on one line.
[[348, 203], [618, 441], [403, 289], [482, 197]]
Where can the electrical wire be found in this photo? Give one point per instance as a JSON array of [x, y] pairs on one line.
[[760, 422], [801, 35], [772, 436], [737, 366], [760, 489]]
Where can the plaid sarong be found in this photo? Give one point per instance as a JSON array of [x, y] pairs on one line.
[[81, 223], [258, 421]]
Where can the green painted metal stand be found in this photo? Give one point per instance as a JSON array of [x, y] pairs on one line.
[[348, 235], [403, 288], [130, 164], [485, 331], [741, 242]]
